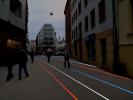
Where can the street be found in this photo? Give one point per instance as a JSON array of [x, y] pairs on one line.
[[51, 81]]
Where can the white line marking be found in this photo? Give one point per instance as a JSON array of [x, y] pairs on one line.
[[76, 81]]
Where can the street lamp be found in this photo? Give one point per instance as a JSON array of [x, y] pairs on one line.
[[51, 13]]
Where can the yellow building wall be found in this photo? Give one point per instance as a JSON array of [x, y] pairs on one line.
[[108, 35], [84, 52], [126, 56], [125, 23]]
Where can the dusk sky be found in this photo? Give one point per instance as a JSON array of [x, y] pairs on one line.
[[39, 14]]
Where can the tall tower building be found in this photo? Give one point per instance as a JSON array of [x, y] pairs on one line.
[[46, 38]]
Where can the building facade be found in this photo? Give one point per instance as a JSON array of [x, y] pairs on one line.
[[13, 25], [67, 13], [32, 46], [60, 46], [125, 30], [92, 32], [46, 38]]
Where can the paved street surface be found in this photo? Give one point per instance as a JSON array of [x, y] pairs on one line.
[[51, 81]]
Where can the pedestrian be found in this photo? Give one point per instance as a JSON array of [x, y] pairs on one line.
[[10, 60], [49, 54], [66, 58], [23, 63], [32, 56]]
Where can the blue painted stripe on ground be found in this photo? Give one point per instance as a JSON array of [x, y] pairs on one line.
[[113, 85], [108, 83]]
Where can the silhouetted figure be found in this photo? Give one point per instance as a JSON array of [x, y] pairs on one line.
[[32, 56], [23, 63], [49, 54], [10, 61], [66, 58]]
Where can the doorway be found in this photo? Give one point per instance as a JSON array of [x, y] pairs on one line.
[[103, 52]]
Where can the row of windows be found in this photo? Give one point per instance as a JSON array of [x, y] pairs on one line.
[[48, 43], [74, 2], [48, 38], [101, 10], [48, 30], [77, 31], [48, 34], [79, 11]]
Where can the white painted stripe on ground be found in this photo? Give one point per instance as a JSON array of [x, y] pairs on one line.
[[78, 62], [76, 80]]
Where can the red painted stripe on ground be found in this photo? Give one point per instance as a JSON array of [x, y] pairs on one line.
[[54, 77]]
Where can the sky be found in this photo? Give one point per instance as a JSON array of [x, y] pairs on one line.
[[39, 14]]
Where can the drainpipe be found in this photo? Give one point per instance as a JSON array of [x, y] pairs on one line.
[[115, 37]]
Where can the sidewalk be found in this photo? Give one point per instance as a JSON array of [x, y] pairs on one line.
[[38, 86]]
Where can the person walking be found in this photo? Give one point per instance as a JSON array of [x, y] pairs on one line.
[[32, 56], [10, 60], [66, 58], [23, 63], [49, 54]]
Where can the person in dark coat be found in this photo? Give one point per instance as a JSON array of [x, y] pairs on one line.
[[23, 63], [10, 61], [49, 54], [66, 58], [32, 56]]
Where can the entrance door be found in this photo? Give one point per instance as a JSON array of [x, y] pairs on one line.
[[103, 52]]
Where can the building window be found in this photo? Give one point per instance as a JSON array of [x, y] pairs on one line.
[[86, 23], [72, 20], [76, 14], [85, 3], [79, 8], [76, 32], [16, 7], [74, 17], [103, 43], [72, 35], [80, 29], [102, 12], [90, 44], [92, 15]]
